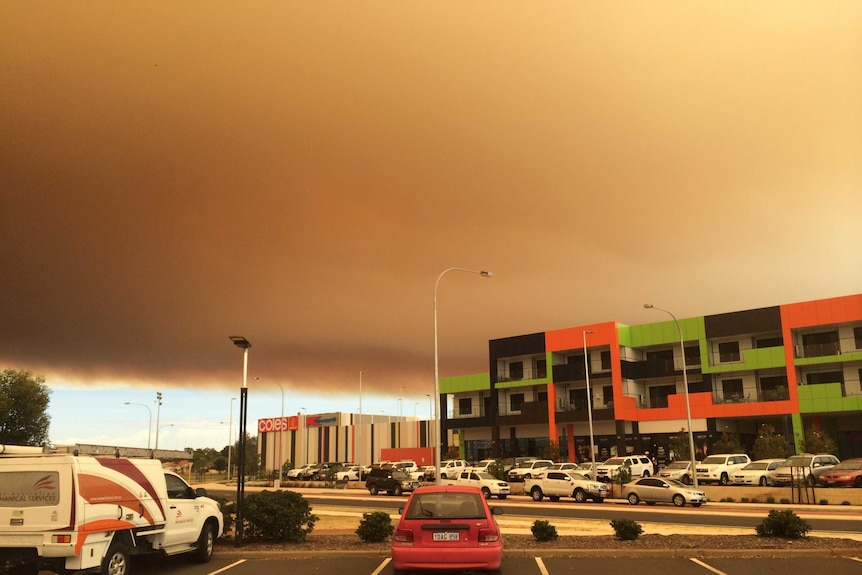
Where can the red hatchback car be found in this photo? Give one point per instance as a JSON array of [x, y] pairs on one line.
[[848, 473], [447, 527]]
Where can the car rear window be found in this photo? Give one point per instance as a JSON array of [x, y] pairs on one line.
[[445, 505]]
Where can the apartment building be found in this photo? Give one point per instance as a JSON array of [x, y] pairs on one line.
[[794, 367]]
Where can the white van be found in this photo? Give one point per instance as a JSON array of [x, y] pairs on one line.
[[67, 513]]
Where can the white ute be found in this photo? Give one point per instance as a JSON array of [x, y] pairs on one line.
[[68, 513]]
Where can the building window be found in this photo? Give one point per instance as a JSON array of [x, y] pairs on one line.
[[541, 368], [732, 389], [728, 351], [516, 370], [542, 396], [768, 342], [825, 377], [465, 406], [516, 401], [774, 388], [608, 393], [578, 399], [692, 355], [658, 395], [820, 344], [606, 360], [857, 335]]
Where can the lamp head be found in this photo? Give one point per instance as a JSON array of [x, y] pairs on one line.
[[240, 341], [647, 306], [485, 274]]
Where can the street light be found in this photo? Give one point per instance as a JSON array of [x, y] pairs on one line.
[[439, 430], [359, 429], [162, 427], [685, 385], [229, 435], [149, 425], [280, 432], [589, 408], [305, 427], [158, 416], [243, 344]]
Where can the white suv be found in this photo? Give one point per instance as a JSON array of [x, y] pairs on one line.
[[805, 466], [527, 469], [720, 468], [639, 466]]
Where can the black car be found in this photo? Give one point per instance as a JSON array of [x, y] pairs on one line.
[[392, 481]]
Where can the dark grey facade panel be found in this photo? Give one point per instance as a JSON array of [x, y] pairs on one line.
[[753, 321], [517, 345]]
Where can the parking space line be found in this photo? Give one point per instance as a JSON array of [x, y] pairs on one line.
[[705, 566], [381, 566], [542, 569], [227, 567], [855, 559]]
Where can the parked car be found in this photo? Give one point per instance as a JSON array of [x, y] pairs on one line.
[[848, 473], [639, 466], [806, 467], [447, 527], [558, 483], [392, 481], [562, 467], [652, 490], [718, 468], [452, 467], [407, 466], [482, 480], [588, 470], [757, 472], [527, 469], [678, 470], [348, 473], [297, 472]]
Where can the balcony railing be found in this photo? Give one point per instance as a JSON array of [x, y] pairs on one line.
[[522, 374], [818, 350]]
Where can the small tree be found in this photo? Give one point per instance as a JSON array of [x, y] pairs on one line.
[[818, 441], [375, 527], [729, 443], [783, 524], [24, 418], [626, 529], [769, 445], [552, 451], [680, 445], [543, 531]]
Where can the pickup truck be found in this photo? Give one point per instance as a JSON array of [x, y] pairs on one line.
[[483, 481], [558, 483], [452, 467], [527, 469], [67, 513]]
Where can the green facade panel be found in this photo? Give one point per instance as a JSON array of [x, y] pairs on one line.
[[463, 383], [825, 398], [764, 358]]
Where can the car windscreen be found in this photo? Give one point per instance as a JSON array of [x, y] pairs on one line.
[[678, 465], [848, 465], [714, 460]]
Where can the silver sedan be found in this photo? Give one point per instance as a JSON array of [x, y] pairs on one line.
[[652, 490]]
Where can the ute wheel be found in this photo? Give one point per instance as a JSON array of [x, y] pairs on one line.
[[762, 481], [397, 490], [486, 493], [579, 495], [858, 482], [679, 500], [206, 541], [537, 494], [372, 489], [646, 473], [811, 481], [723, 480], [633, 499], [686, 479], [116, 560]]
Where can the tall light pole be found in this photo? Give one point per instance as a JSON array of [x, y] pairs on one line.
[[278, 458], [149, 425], [439, 430], [243, 344], [589, 408], [305, 427], [158, 415], [229, 435], [162, 427], [359, 429], [693, 461]]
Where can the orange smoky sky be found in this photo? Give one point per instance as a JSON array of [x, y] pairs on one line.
[[301, 172]]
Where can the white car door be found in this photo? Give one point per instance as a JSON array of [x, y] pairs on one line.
[[183, 513]]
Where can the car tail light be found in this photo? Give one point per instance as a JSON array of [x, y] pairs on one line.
[[61, 538], [403, 536], [488, 535]]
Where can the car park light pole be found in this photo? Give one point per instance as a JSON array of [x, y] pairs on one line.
[[243, 344], [589, 408], [685, 386], [150, 425], [438, 432]]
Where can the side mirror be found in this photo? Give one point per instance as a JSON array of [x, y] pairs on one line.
[[200, 492]]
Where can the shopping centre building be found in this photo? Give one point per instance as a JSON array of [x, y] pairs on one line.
[[794, 367]]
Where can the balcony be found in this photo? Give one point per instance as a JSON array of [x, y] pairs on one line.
[[818, 349], [526, 373]]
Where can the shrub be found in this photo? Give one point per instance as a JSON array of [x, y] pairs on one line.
[[626, 529], [729, 499], [279, 516], [544, 531], [784, 524], [375, 527], [824, 502], [744, 500], [770, 499], [784, 501], [845, 503]]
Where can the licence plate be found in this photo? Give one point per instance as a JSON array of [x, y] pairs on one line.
[[446, 536]]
